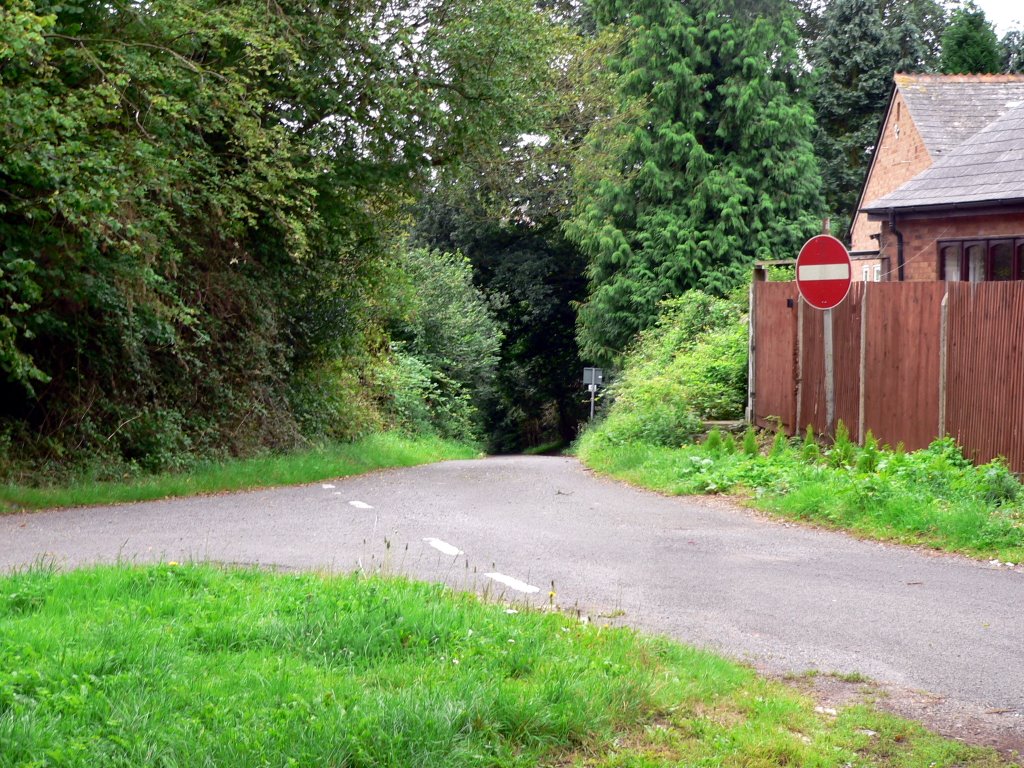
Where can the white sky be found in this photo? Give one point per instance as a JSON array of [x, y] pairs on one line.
[[1005, 14]]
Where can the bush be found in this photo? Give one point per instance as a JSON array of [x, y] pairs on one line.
[[691, 366], [419, 400]]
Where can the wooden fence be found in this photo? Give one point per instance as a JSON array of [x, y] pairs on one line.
[[911, 361]]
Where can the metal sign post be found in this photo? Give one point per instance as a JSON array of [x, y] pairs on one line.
[[593, 378], [830, 377]]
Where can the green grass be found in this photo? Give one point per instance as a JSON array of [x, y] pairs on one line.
[[545, 449], [337, 460], [189, 665], [932, 497]]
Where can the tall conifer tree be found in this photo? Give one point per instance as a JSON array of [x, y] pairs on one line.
[[916, 28], [970, 45], [854, 61], [708, 167]]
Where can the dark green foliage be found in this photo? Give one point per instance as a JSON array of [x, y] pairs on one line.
[[713, 442], [869, 455], [510, 231], [197, 200], [1012, 46], [707, 166], [855, 47], [445, 348], [779, 444], [535, 280], [916, 28], [843, 452], [970, 45], [690, 366], [810, 451], [507, 219], [854, 59], [750, 445]]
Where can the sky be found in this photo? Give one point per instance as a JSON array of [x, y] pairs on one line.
[[1004, 14]]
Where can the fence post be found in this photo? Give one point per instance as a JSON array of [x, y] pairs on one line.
[[751, 350], [943, 361], [862, 373], [798, 427]]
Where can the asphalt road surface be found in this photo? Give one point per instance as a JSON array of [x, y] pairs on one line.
[[781, 596]]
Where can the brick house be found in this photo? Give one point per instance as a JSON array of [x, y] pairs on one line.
[[944, 195]]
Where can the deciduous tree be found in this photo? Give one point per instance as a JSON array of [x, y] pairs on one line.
[[197, 198]]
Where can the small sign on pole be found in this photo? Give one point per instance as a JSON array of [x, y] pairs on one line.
[[593, 378]]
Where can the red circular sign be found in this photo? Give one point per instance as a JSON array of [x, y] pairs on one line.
[[823, 272]]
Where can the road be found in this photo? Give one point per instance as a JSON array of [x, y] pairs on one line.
[[784, 597]]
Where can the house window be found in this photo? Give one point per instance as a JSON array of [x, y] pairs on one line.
[[981, 260], [951, 256], [1000, 256], [975, 258]]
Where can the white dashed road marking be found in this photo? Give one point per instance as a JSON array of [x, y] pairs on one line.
[[443, 546], [516, 584], [327, 486], [360, 505]]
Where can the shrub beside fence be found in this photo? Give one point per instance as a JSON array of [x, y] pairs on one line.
[[913, 361]]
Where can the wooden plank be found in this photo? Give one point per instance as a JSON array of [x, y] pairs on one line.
[[774, 327], [847, 326], [985, 400], [902, 363]]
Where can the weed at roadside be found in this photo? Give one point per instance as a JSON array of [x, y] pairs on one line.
[[934, 497]]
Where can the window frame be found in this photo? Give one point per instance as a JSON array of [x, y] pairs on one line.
[[1016, 243]]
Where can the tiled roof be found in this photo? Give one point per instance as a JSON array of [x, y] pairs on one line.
[[973, 128], [949, 109]]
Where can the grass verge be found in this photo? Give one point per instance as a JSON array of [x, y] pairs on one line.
[[336, 460], [933, 497], [189, 665]]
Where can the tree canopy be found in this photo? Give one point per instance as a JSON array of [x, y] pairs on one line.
[[707, 166], [230, 226], [197, 198], [970, 45], [854, 60]]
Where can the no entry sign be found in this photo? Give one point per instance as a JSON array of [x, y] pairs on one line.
[[823, 272]]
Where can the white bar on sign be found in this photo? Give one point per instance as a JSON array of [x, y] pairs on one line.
[[824, 272], [516, 584]]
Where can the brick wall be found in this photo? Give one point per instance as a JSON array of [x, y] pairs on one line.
[[921, 237], [899, 157]]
